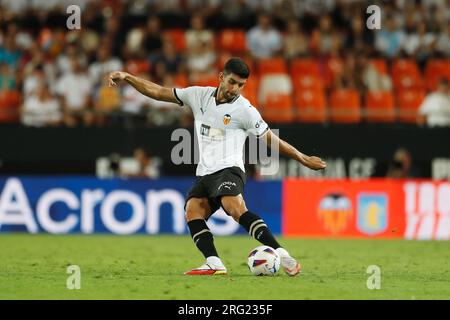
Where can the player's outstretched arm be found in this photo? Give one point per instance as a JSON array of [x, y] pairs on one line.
[[285, 148], [145, 87]]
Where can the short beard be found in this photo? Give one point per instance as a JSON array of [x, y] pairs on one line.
[[222, 89]]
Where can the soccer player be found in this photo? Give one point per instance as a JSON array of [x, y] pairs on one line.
[[223, 119]]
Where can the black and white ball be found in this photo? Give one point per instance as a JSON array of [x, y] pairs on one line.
[[263, 261]]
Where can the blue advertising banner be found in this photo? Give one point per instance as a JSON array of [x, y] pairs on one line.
[[119, 206]]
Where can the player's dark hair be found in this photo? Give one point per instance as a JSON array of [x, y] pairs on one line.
[[238, 67]]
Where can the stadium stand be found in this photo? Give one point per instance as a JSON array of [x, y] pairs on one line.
[[408, 101], [345, 106], [379, 106], [311, 105], [318, 84]]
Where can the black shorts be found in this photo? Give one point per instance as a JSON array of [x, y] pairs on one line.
[[226, 182]]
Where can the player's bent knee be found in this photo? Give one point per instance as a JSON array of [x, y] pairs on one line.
[[234, 206], [197, 208], [234, 211], [191, 215], [236, 215]]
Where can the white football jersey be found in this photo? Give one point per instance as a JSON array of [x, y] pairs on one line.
[[221, 128]]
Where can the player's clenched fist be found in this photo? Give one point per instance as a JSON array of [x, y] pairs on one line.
[[115, 76]]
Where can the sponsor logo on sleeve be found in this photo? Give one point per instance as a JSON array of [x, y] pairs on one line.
[[258, 124]]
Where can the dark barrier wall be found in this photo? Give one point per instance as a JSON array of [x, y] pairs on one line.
[[75, 150]]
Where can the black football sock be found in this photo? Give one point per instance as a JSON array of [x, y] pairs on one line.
[[203, 238], [256, 227]]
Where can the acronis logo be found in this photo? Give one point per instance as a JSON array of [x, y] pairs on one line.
[[372, 216]]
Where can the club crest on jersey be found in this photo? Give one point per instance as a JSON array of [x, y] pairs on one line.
[[226, 119]]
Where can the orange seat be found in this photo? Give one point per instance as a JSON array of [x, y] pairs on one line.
[[435, 70], [311, 105], [10, 101], [406, 75], [250, 90], [278, 108], [274, 84], [304, 67], [345, 106], [333, 68], [380, 106], [408, 102], [380, 65], [178, 38], [206, 81], [407, 80], [307, 81], [232, 40], [222, 59], [181, 80], [136, 66], [225, 56], [404, 65], [271, 65]]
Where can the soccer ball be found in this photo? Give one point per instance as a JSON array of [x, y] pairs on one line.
[[263, 261]]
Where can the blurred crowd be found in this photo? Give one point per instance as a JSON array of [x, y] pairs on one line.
[[59, 75]]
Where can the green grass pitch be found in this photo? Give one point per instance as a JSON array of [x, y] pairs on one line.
[[151, 267]]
